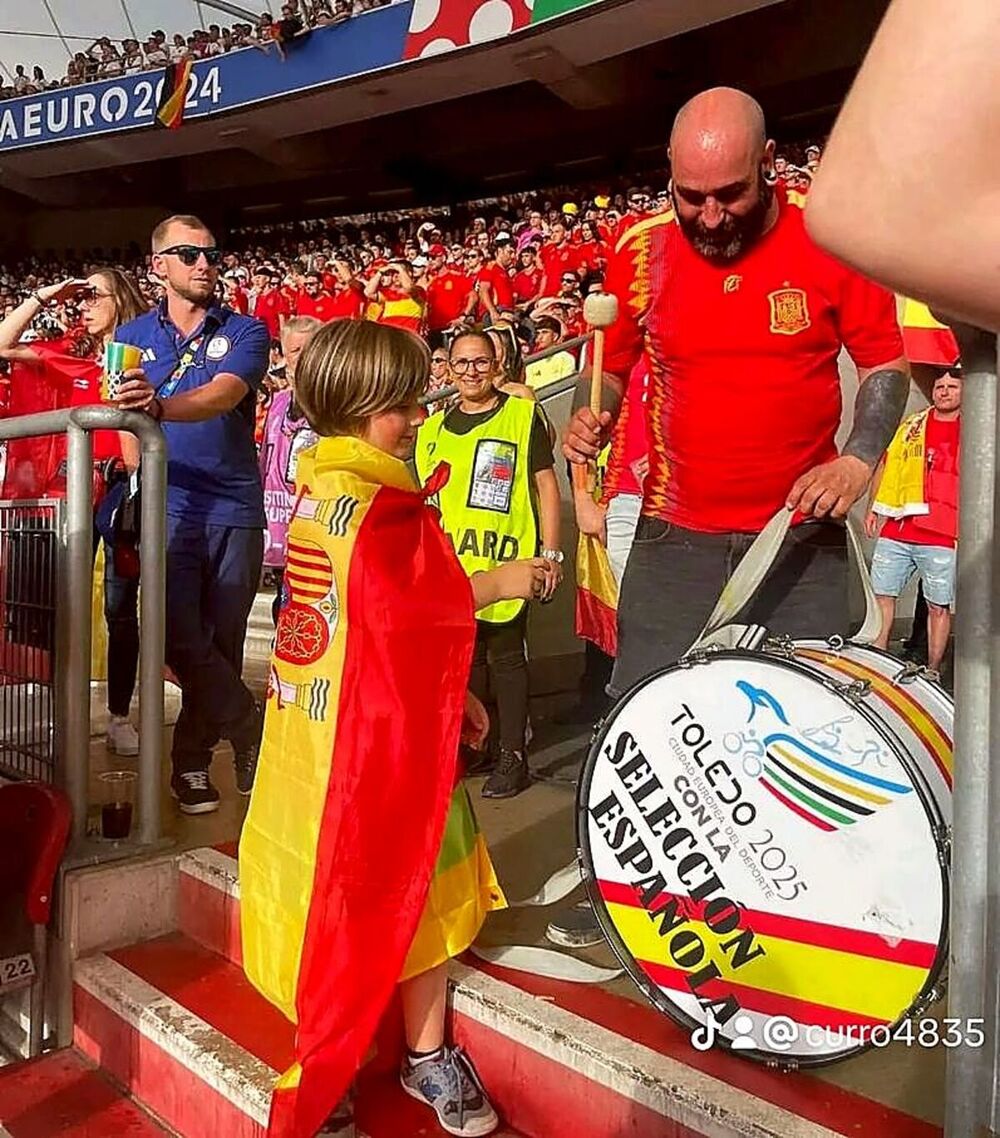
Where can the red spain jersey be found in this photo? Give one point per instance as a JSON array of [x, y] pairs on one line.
[[744, 392]]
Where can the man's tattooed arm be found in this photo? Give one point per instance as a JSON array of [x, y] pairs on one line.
[[878, 410]]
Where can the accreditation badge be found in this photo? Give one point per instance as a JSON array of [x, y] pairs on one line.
[[493, 475]]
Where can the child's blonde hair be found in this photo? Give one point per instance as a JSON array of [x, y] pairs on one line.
[[353, 369]]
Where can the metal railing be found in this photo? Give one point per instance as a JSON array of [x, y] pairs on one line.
[[73, 605], [973, 1074]]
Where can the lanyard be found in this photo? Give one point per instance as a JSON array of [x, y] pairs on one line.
[[170, 384]]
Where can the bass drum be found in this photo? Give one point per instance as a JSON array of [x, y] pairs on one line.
[[770, 884]]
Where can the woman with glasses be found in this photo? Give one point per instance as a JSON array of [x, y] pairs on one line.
[[500, 504], [66, 372]]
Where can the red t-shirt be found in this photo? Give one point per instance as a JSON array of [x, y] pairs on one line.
[[593, 255], [269, 306], [345, 302], [526, 284], [941, 450], [322, 307], [499, 278], [447, 294], [556, 260], [744, 385], [630, 441], [238, 301]]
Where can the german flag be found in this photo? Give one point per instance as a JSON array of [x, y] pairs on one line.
[[170, 111], [360, 861]]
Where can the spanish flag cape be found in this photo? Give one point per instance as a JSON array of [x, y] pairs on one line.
[[358, 763]]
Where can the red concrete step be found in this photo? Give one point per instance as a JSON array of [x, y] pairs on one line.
[[62, 1095], [563, 1058], [182, 1028]]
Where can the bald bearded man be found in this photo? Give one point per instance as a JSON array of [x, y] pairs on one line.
[[743, 318]]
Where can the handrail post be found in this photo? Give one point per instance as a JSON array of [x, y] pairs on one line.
[[977, 623], [152, 611], [79, 588]]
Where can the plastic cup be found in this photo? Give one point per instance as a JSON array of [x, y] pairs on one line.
[[117, 799], [118, 358]]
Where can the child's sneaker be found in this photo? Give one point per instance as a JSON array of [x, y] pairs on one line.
[[449, 1084]]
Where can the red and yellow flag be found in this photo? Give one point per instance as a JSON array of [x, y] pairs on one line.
[[925, 340], [170, 110], [357, 767], [596, 596]]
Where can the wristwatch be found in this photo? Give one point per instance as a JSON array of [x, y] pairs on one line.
[[555, 555]]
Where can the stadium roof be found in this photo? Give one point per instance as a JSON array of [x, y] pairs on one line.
[[46, 32]]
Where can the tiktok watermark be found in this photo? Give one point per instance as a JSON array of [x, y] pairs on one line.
[[780, 1034]]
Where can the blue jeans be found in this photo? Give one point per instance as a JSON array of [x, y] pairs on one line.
[[894, 563], [212, 578]]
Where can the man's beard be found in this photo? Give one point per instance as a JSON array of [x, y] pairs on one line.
[[735, 235], [193, 295]]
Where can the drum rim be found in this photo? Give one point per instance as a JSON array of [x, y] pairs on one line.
[[644, 983], [938, 688]]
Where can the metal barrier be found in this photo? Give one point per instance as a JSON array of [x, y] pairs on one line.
[[972, 1086], [30, 576], [73, 610]]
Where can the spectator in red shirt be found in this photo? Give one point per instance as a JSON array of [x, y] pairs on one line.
[[234, 295], [314, 300], [529, 278], [267, 302], [347, 298], [450, 296], [559, 256], [743, 336], [321, 264], [402, 303], [494, 286], [592, 250]]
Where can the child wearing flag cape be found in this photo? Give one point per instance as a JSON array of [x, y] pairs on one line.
[[361, 864]]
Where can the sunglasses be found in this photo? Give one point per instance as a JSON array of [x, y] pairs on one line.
[[189, 254]]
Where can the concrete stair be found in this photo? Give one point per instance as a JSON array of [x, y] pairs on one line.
[[161, 1006], [62, 1095]]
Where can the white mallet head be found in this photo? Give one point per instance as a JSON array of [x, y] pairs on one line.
[[600, 309]]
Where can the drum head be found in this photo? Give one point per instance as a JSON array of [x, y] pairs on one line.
[[766, 884]]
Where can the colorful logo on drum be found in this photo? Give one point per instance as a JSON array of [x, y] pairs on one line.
[[826, 793]]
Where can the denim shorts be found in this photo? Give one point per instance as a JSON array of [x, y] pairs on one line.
[[895, 562]]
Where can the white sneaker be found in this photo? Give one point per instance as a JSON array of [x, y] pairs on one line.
[[123, 739]]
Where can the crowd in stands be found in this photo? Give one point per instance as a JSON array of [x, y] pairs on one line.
[[110, 59], [528, 260]]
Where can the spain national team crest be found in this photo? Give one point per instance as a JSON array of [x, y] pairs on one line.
[[789, 311]]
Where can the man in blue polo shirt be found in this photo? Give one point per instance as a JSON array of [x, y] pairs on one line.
[[201, 367]]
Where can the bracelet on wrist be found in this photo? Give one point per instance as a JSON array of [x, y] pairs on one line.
[[34, 295]]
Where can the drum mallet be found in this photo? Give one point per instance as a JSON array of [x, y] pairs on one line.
[[600, 311]]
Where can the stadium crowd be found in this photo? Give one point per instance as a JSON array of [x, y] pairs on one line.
[[107, 58]]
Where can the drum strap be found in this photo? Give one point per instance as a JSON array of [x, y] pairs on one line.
[[748, 576]]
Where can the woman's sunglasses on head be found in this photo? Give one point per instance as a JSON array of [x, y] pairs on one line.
[[189, 254]]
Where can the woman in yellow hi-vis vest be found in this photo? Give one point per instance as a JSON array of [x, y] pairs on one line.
[[501, 503]]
